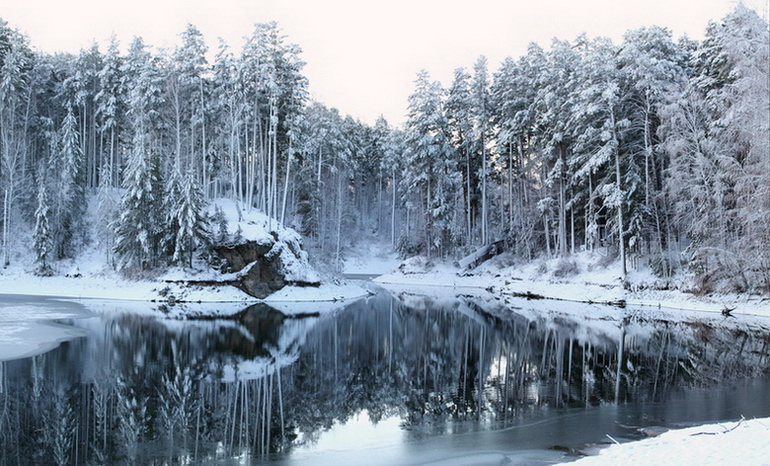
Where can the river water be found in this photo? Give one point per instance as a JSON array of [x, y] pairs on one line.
[[394, 379]]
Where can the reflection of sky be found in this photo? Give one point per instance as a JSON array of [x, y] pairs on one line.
[[358, 437]]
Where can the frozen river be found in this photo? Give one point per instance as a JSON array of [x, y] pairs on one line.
[[390, 380]]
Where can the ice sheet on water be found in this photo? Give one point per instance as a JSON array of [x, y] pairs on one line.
[[27, 327]]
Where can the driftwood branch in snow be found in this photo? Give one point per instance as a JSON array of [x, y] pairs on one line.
[[726, 311], [723, 432]]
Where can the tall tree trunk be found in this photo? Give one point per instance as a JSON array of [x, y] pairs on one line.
[[338, 249], [484, 207], [6, 227], [621, 241], [562, 219], [286, 188], [428, 222], [510, 186], [393, 212]]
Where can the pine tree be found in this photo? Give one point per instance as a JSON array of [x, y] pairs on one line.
[[514, 95], [229, 106], [71, 203], [106, 213], [392, 163], [651, 63], [555, 100], [459, 108], [43, 239], [139, 229], [185, 91], [16, 66], [607, 145], [187, 220], [481, 116], [110, 112], [84, 83], [140, 226]]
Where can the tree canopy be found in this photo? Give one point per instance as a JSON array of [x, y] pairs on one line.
[[653, 151]]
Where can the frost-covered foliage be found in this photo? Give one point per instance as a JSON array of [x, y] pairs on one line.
[[654, 149], [431, 182], [43, 241], [716, 130]]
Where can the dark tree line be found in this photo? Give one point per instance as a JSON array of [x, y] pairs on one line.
[[653, 150]]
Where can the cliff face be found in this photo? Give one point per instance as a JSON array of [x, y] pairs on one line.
[[264, 266]]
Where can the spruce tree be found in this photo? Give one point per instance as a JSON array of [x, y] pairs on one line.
[[43, 238], [71, 202], [187, 222], [139, 228]]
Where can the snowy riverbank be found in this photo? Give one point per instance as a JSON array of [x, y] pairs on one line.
[[112, 287], [747, 442], [584, 280], [89, 276], [744, 442], [587, 282]]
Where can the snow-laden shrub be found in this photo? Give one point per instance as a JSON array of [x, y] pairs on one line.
[[415, 265], [718, 270], [566, 268], [664, 266], [407, 247]]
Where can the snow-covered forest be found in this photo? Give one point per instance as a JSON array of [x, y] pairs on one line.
[[656, 150]]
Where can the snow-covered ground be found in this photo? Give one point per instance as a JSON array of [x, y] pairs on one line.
[[370, 257], [584, 279], [744, 442], [15, 282], [90, 276]]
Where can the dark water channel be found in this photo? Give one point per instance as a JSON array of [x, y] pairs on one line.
[[387, 380]]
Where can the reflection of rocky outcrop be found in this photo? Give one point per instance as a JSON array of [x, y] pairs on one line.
[[263, 267], [263, 328], [258, 332]]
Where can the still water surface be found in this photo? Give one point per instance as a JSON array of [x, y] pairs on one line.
[[386, 380]]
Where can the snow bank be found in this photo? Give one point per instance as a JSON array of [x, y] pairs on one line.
[[581, 278], [745, 442], [89, 276]]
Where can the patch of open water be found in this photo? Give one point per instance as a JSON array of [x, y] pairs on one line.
[[385, 380]]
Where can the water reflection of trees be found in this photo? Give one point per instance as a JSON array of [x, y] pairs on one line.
[[147, 391]]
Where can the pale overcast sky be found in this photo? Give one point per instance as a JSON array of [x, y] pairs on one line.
[[362, 56]]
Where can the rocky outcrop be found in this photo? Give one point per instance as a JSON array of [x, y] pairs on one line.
[[262, 267]]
